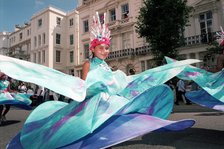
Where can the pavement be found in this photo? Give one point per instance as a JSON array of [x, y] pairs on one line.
[[207, 133]]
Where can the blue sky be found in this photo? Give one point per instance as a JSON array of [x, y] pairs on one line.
[[14, 12]]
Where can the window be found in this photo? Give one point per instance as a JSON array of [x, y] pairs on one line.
[[101, 16], [124, 11], [43, 56], [28, 32], [58, 38], [150, 64], [112, 15], [182, 57], [58, 56], [20, 36], [143, 65], [79, 73], [39, 40], [130, 69], [35, 41], [71, 72], [71, 39], [86, 50], [192, 55], [34, 58], [43, 38], [205, 20], [113, 44], [86, 26], [39, 57], [71, 22], [39, 23], [125, 40], [71, 56], [58, 21]]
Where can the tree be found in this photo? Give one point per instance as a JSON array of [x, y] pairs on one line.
[[162, 23], [215, 51], [214, 48]]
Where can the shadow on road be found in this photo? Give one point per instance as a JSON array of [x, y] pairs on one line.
[[9, 122], [193, 138], [211, 114]]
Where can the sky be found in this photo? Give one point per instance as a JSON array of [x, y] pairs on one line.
[[13, 12]]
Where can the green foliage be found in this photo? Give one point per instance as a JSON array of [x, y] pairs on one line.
[[215, 48], [162, 23]]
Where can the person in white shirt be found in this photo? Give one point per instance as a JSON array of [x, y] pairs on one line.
[[30, 90], [22, 87], [181, 90], [40, 94]]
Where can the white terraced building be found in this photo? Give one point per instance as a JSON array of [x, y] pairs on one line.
[[60, 40]]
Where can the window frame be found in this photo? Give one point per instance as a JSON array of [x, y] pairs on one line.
[[39, 22], [71, 56], [57, 56], [124, 11], [112, 16], [71, 37], [58, 38], [86, 26]]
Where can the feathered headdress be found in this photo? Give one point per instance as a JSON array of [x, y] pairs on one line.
[[220, 37], [99, 32]]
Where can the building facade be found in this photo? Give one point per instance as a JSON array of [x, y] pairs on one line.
[[61, 40], [206, 20], [50, 39], [19, 42], [54, 39], [129, 52]]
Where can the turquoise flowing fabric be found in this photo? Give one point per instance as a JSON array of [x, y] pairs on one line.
[[212, 85], [72, 87], [17, 99], [107, 100]]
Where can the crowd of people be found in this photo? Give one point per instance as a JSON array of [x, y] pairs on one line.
[[180, 87], [36, 93]]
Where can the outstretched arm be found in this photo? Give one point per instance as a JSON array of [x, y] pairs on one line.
[[85, 70]]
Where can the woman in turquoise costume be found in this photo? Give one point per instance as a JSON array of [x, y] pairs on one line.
[[108, 108], [9, 97]]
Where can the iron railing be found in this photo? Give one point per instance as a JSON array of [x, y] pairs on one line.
[[200, 39], [130, 52]]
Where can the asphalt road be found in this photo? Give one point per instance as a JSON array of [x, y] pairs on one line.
[[207, 133]]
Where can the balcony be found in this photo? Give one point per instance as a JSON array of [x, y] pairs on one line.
[[200, 39], [145, 50], [119, 23]]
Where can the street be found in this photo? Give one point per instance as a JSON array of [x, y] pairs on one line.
[[207, 133]]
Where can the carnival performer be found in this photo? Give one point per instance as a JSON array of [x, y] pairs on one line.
[[10, 97], [108, 108], [3, 85]]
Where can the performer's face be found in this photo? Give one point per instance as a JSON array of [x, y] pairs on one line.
[[101, 51]]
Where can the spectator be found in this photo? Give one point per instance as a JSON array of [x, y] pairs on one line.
[[172, 86], [181, 90], [40, 94], [22, 88]]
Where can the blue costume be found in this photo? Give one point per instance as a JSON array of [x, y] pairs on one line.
[[113, 108], [211, 94], [17, 99]]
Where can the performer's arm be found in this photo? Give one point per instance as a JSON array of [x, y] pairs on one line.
[[85, 70]]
